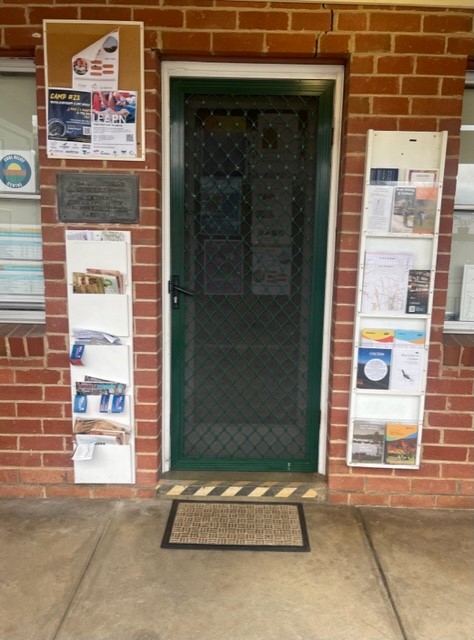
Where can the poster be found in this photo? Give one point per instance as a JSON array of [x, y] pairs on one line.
[[271, 211], [114, 124], [221, 199], [271, 271], [69, 122], [84, 124], [96, 68]]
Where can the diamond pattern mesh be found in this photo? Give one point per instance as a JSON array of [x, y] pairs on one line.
[[249, 209]]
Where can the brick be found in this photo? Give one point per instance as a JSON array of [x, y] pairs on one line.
[[467, 488], [38, 14], [455, 502], [346, 483], [20, 459], [13, 15], [123, 14], [394, 22], [42, 476], [334, 43], [7, 410], [441, 65], [373, 42], [263, 20], [440, 453], [16, 347], [387, 485], [158, 17], [440, 106], [363, 64], [14, 426], [416, 86], [311, 21], [9, 476], [450, 419], [451, 355], [459, 436], [447, 23], [460, 46], [433, 487], [395, 64], [300, 44], [8, 442], [20, 37], [467, 358], [184, 42], [350, 20], [391, 105], [377, 85], [146, 478], [35, 346], [44, 443], [68, 491], [419, 44], [21, 491], [461, 403]]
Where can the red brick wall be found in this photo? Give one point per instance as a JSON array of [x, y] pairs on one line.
[[405, 70]]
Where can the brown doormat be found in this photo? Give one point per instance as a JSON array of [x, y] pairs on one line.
[[257, 526]]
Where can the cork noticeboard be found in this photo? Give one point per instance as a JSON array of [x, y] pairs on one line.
[[65, 39]]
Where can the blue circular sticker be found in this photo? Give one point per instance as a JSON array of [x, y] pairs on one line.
[[15, 171]]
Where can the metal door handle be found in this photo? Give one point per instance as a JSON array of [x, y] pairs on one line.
[[175, 290]]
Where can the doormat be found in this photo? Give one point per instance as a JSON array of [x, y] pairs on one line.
[[256, 526]]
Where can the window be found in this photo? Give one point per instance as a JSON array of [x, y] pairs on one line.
[[460, 301], [21, 266]]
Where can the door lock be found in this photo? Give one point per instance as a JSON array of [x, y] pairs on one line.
[[174, 289]]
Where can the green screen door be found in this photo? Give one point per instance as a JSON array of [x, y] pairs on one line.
[[249, 208]]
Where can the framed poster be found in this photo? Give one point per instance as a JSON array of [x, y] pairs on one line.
[[95, 89]]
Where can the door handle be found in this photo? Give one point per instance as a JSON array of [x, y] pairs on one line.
[[174, 289]]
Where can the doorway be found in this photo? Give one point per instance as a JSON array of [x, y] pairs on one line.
[[249, 201]]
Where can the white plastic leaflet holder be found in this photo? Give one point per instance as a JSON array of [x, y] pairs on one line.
[[102, 457]]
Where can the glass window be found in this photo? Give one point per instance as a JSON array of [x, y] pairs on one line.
[[21, 259], [460, 302]]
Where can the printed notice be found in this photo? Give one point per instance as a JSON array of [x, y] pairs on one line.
[[97, 66]]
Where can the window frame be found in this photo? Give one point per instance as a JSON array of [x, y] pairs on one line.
[[31, 311], [451, 325]]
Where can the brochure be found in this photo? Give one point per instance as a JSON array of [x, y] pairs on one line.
[[386, 281]]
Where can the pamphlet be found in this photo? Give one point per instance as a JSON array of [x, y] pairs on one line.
[[386, 281], [407, 369], [401, 441], [379, 213], [368, 441], [418, 290], [373, 368], [377, 338]]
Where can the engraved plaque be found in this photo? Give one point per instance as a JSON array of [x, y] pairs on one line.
[[97, 197]]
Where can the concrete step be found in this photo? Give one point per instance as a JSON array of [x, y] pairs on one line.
[[251, 486]]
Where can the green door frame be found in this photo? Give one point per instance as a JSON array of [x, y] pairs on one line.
[[324, 90]]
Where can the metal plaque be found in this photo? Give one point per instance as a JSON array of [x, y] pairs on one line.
[[97, 197]]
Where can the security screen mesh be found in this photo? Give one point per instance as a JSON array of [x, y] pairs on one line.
[[249, 217]]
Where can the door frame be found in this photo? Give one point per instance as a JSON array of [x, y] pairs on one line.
[[246, 71]]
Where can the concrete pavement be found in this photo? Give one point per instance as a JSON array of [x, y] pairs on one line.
[[94, 570]]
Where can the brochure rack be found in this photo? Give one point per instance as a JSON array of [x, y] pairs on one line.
[[101, 348], [397, 256]]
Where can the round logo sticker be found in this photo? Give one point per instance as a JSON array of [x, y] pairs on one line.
[[15, 171]]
